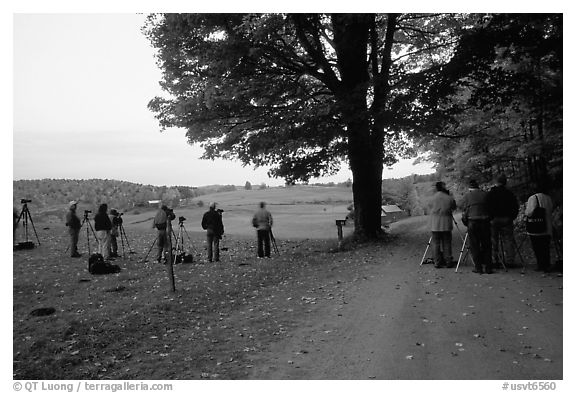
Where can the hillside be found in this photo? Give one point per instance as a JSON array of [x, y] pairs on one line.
[[299, 211], [50, 197]]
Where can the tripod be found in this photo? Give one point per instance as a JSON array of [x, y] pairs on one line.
[[500, 255], [27, 217], [273, 241], [123, 238], [88, 229], [464, 242], [179, 249], [430, 242]]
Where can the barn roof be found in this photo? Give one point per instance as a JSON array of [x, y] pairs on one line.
[[391, 209]]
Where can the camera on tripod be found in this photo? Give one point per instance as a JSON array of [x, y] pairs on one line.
[[181, 219], [25, 200], [86, 212]]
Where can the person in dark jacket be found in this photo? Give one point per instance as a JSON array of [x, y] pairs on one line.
[[73, 224], [115, 232], [103, 226], [212, 223], [503, 208], [476, 217]]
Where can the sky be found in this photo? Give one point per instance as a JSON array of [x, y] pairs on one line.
[[82, 83]]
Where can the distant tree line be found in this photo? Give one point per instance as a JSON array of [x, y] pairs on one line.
[[122, 194]]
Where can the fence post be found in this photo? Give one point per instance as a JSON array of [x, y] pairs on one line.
[[339, 224]]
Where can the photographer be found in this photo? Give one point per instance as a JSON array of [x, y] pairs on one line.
[[262, 221], [116, 219], [161, 221], [212, 223], [103, 226], [73, 223], [442, 205]]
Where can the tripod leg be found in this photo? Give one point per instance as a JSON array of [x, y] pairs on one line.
[[190, 243], [275, 246], [122, 243], [519, 254], [33, 227], [461, 251], [88, 240], [150, 249], [502, 256], [426, 252], [127, 242]]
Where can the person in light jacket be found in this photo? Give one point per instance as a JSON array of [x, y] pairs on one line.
[[441, 208], [73, 223], [262, 221], [541, 240]]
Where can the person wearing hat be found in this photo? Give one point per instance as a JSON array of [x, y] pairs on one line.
[[262, 221], [442, 206], [503, 208], [116, 222], [73, 224], [212, 223], [476, 217]]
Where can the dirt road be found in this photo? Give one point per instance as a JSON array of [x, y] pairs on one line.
[[406, 321]]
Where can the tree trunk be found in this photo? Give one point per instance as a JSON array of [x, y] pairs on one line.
[[366, 167], [351, 35]]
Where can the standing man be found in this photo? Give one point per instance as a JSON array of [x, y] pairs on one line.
[[212, 223], [161, 224], [262, 221], [477, 218], [103, 226], [541, 237], [442, 206], [73, 224], [503, 208], [116, 221]]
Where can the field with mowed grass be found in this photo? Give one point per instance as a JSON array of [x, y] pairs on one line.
[[299, 212]]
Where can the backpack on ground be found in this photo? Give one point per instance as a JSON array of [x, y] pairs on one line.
[[97, 265]]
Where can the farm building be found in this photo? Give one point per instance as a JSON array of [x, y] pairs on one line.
[[391, 213], [155, 203]]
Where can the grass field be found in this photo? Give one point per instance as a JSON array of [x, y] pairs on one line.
[[298, 212]]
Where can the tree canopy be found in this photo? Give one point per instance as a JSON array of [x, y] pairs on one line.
[[500, 110]]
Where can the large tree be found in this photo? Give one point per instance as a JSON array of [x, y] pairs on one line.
[[498, 102], [301, 92]]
